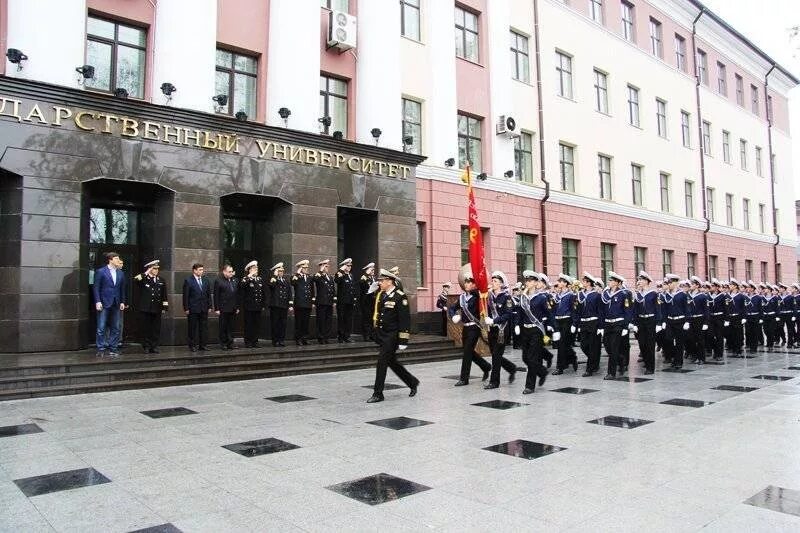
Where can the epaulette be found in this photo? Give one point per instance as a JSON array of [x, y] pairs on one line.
[[294, 278], [273, 280], [401, 293], [364, 278], [317, 275]]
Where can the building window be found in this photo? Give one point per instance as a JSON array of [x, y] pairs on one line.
[[680, 53], [464, 245], [639, 259], [743, 153], [117, 53], [627, 22], [686, 131], [569, 256], [604, 172], [731, 267], [729, 209], [661, 117], [706, 137], [596, 10], [567, 167], [636, 184], [333, 104], [739, 90], [710, 203], [420, 254], [726, 146], [688, 195], [600, 91], [754, 99], [712, 266], [466, 35], [666, 261], [748, 269], [409, 19], [691, 264], [469, 142], [606, 259], [633, 106], [763, 271], [722, 79], [746, 214], [412, 125], [656, 47], [702, 67], [564, 72], [336, 5], [519, 57], [113, 226], [236, 76], [664, 181], [526, 246], [523, 157], [759, 169], [761, 221]]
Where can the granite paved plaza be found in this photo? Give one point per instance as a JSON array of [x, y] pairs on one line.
[[715, 449]]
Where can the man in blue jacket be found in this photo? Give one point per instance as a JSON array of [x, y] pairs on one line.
[[110, 301], [197, 304]]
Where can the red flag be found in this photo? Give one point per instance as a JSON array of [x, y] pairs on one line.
[[477, 259]]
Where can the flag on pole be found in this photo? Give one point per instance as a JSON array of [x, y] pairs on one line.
[[477, 258]]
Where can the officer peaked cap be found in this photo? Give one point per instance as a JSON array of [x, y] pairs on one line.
[[645, 275], [347, 261], [368, 266], [303, 263], [276, 267], [250, 264], [153, 263], [385, 274]]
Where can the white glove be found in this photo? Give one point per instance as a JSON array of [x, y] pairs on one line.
[[550, 329], [777, 319], [685, 326], [516, 330], [600, 332], [726, 324], [556, 336], [633, 327], [744, 321], [624, 332], [658, 328], [760, 321], [663, 325], [705, 327], [488, 321], [793, 319], [456, 319], [573, 329], [402, 347]]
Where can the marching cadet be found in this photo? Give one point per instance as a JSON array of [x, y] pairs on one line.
[[753, 308], [566, 317], [771, 308], [786, 327], [441, 304], [392, 326], [618, 314], [515, 292], [346, 298], [226, 305], [251, 295], [367, 300], [151, 303], [625, 340], [534, 317], [698, 324], [501, 316], [591, 319], [796, 314], [677, 300], [718, 318], [280, 303], [395, 271], [647, 319], [324, 298], [303, 289], [467, 310], [736, 316]]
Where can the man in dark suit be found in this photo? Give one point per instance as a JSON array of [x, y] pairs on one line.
[[196, 305], [110, 301], [303, 300], [346, 298], [151, 301], [325, 297], [226, 305]]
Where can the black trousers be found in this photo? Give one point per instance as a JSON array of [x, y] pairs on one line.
[[324, 321], [277, 323], [532, 342], [151, 329], [735, 334], [252, 324], [676, 339], [469, 339], [302, 315], [717, 329], [612, 339], [590, 345], [753, 331], [197, 330], [387, 358], [497, 344], [226, 328], [791, 332], [624, 351], [696, 341], [647, 341], [344, 314], [367, 327], [770, 329], [565, 354]]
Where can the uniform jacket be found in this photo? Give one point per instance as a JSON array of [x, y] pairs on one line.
[[252, 293], [648, 305], [324, 289], [618, 307], [393, 315], [280, 293], [151, 294], [303, 291], [346, 288]]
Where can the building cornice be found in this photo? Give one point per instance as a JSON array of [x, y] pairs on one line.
[[742, 234]]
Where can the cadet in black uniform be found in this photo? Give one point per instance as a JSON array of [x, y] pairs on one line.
[[226, 305], [647, 320], [324, 298], [500, 318], [151, 303], [469, 308], [251, 296], [303, 300], [366, 300], [346, 298], [280, 301], [392, 323], [441, 303], [618, 314]]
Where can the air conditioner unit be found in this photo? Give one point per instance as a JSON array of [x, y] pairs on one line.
[[506, 125], [341, 31]]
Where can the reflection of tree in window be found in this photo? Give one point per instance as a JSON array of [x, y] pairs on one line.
[[238, 233], [112, 226]]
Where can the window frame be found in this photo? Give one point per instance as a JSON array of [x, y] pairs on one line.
[[667, 260], [409, 4], [680, 52], [628, 18], [729, 218], [691, 264], [759, 164], [463, 30], [706, 129], [326, 94], [607, 256], [686, 129], [517, 53], [522, 255], [564, 72], [601, 92], [743, 154], [420, 250], [469, 140], [563, 164], [634, 118], [688, 198], [664, 187], [739, 81], [639, 263], [722, 78], [523, 157], [710, 204], [605, 177], [637, 193], [416, 144], [726, 146], [115, 43], [754, 100], [713, 266], [661, 117], [566, 257], [232, 72], [656, 38], [746, 214], [596, 11], [701, 59]]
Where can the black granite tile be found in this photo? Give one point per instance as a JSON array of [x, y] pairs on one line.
[[632, 379], [254, 448], [379, 488], [456, 377], [735, 388], [21, 429], [686, 403], [678, 370], [793, 368], [290, 398], [499, 404], [777, 499], [162, 528], [772, 378], [388, 386], [400, 422], [525, 449], [716, 363], [620, 422], [169, 411], [742, 356], [574, 390], [70, 479]]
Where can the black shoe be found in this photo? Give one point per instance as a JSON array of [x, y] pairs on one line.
[[587, 374], [700, 362], [100, 353], [648, 372], [192, 349], [609, 377], [512, 376], [542, 379], [486, 374], [549, 361], [232, 346], [203, 348], [304, 341], [491, 386], [461, 383], [347, 340], [224, 348], [340, 341], [413, 391], [718, 358], [640, 360], [527, 391], [299, 343], [575, 364], [282, 345], [375, 399], [557, 372], [154, 350]]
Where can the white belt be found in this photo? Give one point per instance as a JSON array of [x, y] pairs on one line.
[[471, 324], [612, 320], [717, 314], [588, 319], [528, 325], [647, 316], [697, 316], [675, 317], [563, 317], [753, 314], [770, 313]]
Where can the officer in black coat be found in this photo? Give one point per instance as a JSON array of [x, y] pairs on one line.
[[303, 288], [151, 302], [252, 296], [280, 301], [346, 298], [226, 305], [324, 298], [441, 304], [366, 300]]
